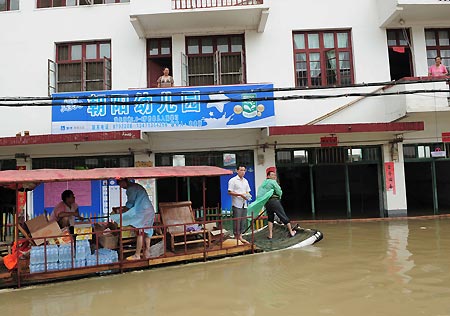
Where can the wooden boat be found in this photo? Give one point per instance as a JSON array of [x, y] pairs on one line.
[[216, 243]]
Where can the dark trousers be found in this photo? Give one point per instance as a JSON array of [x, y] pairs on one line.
[[273, 206]]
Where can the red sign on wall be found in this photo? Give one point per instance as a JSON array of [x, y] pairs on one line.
[[389, 173], [446, 137], [328, 141]]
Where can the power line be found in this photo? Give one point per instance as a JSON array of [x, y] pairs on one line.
[[280, 98], [216, 90]]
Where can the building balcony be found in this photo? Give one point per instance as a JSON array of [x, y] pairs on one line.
[[166, 17], [376, 104], [397, 13]]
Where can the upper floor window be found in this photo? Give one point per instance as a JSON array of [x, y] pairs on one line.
[[9, 5], [70, 3], [323, 58], [83, 66], [214, 60], [438, 44]]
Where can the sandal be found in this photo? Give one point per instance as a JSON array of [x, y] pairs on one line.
[[133, 257], [270, 238], [293, 235]]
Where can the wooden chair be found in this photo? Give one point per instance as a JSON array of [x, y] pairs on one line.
[[181, 214]]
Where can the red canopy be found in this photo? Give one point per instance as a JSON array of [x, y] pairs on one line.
[[9, 177]]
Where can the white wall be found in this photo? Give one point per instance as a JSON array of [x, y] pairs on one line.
[[269, 55]]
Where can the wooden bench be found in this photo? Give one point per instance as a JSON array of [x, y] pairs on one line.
[[178, 216]]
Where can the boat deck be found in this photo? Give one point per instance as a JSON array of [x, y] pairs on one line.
[[216, 250]]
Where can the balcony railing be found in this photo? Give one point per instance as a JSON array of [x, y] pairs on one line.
[[202, 4]]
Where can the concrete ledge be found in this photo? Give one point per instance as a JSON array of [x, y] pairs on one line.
[[397, 213]]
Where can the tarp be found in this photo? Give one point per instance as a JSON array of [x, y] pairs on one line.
[[256, 206], [30, 177]]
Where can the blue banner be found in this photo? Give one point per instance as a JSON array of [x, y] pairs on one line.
[[185, 108]]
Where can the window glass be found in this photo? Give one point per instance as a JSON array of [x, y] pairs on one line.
[[236, 44], [222, 44], [402, 40], [105, 50], [313, 40], [355, 154], [300, 156], [299, 41], [445, 53], [91, 51], [409, 152], [165, 47], [207, 46], [342, 39], [392, 39], [63, 53], [193, 46], [153, 50], [58, 3], [430, 38], [3, 5], [328, 40], [443, 38], [284, 156], [76, 52], [14, 5], [70, 3]]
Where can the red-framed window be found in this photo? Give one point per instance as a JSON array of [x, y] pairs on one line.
[[323, 58], [215, 60], [159, 47], [70, 3], [84, 66], [9, 5], [438, 44]]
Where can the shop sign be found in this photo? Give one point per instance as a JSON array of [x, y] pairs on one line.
[[168, 109], [328, 141], [438, 153], [389, 172], [446, 137]]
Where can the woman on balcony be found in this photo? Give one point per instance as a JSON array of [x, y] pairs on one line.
[[165, 81], [437, 69]]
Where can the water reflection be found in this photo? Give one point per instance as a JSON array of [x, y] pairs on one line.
[[398, 261], [375, 268]]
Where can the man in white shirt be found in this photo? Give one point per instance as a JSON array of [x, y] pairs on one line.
[[239, 190]]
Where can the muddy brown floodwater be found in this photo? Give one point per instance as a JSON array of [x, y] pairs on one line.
[[398, 267]]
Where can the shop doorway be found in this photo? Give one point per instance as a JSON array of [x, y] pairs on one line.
[[419, 188], [296, 192], [443, 186], [331, 183]]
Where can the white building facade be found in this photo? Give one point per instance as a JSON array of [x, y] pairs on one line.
[[358, 128]]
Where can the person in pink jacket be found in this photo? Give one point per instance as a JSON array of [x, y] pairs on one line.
[[438, 69]]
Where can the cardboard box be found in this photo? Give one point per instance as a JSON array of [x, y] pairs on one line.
[[51, 229], [83, 229], [36, 223], [108, 240]]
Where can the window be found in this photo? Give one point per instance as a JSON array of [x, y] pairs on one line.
[[71, 3], [215, 60], [83, 66], [9, 5], [438, 44], [323, 58]]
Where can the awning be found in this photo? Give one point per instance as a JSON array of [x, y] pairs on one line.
[[69, 138], [9, 177], [346, 128]]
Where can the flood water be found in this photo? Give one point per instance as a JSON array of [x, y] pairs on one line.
[[385, 268]]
